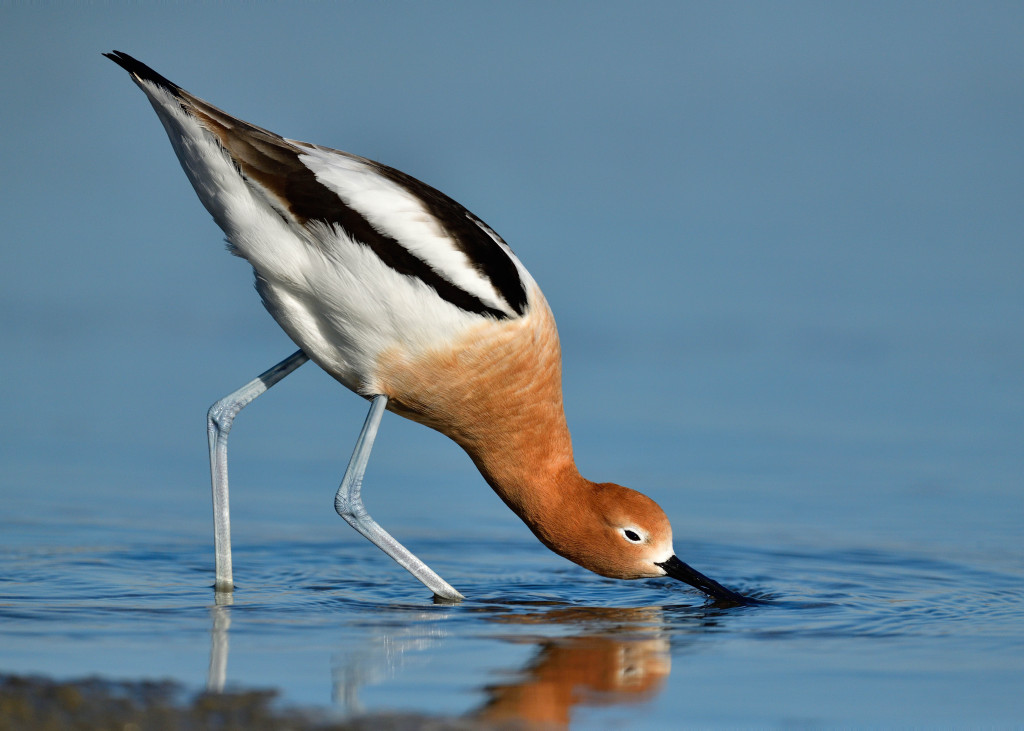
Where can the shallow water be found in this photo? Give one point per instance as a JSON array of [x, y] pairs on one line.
[[784, 254], [872, 502], [332, 624]]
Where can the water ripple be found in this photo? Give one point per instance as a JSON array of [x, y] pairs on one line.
[[855, 592]]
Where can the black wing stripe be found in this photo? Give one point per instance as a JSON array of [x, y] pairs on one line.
[[308, 199], [272, 161], [467, 231]]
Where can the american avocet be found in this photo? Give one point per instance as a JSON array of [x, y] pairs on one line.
[[414, 303]]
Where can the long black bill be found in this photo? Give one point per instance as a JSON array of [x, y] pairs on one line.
[[685, 573]]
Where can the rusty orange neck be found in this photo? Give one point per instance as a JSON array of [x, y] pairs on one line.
[[497, 392]]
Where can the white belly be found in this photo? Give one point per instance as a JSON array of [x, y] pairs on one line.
[[344, 307]]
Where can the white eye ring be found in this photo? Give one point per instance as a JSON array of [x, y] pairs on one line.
[[631, 535]]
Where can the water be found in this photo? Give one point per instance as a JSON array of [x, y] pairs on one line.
[[783, 248], [543, 641], [870, 503], [925, 632], [882, 535]]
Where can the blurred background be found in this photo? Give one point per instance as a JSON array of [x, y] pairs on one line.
[[783, 243], [760, 228]]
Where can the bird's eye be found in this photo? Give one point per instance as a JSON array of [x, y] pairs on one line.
[[631, 536]]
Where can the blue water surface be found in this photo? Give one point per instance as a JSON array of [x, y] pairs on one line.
[[783, 245]]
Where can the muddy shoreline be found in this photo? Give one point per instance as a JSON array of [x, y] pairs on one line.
[[42, 704]]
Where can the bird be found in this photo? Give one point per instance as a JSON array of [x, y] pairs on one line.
[[412, 302]]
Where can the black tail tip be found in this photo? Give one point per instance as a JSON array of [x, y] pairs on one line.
[[139, 70], [123, 60]]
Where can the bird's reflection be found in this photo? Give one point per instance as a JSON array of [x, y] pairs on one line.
[[585, 656], [381, 655], [617, 656], [216, 676]]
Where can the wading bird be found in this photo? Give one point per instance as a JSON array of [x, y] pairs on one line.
[[415, 304]]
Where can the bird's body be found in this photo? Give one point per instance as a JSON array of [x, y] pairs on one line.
[[400, 293]]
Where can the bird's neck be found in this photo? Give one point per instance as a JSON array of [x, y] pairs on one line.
[[497, 392], [528, 461]]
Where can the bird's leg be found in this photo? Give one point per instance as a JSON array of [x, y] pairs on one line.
[[349, 505], [218, 425]]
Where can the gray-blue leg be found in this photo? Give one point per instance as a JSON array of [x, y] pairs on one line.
[[218, 425], [349, 505]]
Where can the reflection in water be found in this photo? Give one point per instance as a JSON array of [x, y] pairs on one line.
[[613, 656], [381, 656], [580, 671], [620, 656], [217, 674]]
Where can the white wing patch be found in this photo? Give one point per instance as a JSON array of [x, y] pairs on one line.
[[338, 301], [395, 212]]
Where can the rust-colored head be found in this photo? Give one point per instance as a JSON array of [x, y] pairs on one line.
[[623, 534], [606, 528], [616, 532]]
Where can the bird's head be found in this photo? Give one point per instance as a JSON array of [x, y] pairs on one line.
[[623, 534]]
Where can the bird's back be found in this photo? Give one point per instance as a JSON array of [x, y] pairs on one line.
[[388, 284], [354, 259]]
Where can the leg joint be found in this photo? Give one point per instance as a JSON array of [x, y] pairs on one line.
[[222, 414], [350, 508]]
